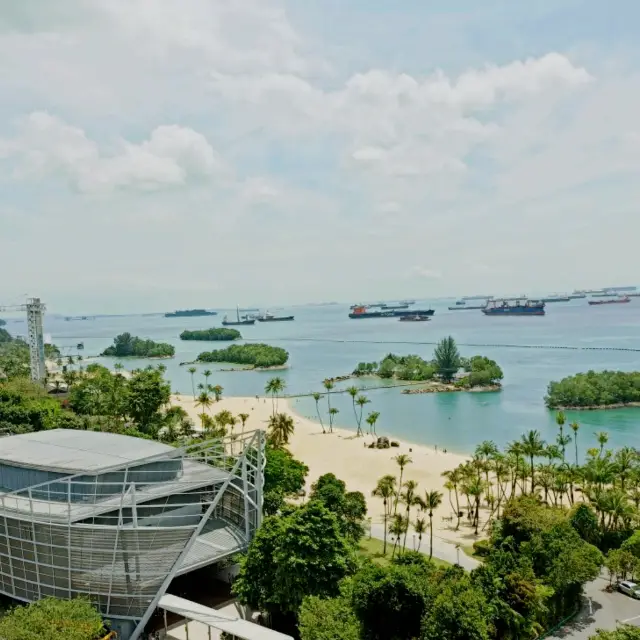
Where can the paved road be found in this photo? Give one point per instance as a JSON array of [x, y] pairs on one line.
[[441, 548], [602, 610]]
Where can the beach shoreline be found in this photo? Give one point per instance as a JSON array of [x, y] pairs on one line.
[[347, 456]]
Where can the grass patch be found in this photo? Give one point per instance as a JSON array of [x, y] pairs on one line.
[[471, 552], [372, 548]]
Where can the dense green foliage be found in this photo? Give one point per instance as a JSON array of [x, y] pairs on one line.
[[622, 632], [139, 398], [52, 619], [446, 363], [5, 336], [482, 372], [257, 354], [26, 407], [302, 553], [14, 356], [594, 389], [221, 333], [328, 619], [2, 322], [284, 477], [446, 358], [125, 345]]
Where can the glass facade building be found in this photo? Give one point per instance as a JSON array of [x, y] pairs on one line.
[[116, 518]]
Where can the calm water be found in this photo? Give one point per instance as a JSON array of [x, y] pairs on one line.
[[455, 421]]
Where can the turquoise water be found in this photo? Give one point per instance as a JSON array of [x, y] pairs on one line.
[[453, 421]]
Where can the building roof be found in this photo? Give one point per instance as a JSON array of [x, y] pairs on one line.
[[74, 451]]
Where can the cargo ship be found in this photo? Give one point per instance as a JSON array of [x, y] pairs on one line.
[[269, 317], [245, 320], [621, 300], [365, 312], [514, 308], [190, 313]]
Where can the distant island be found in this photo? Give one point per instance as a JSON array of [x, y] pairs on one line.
[[447, 371], [257, 355], [211, 334], [595, 390], [190, 313], [127, 346]]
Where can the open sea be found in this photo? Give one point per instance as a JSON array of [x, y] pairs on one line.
[[323, 342]]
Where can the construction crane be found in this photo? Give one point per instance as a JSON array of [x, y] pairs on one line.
[[35, 312]]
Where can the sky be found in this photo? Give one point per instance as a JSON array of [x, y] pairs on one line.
[[207, 153]]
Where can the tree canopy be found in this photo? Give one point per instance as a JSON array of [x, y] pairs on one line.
[[53, 619], [594, 389], [125, 346], [255, 354], [446, 362], [284, 476], [221, 333]]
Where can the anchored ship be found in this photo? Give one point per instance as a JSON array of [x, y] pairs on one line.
[[239, 321], [556, 298], [269, 317], [461, 305], [188, 313], [611, 301], [364, 312], [514, 308], [414, 318]]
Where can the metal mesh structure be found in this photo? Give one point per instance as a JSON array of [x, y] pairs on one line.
[[119, 535]]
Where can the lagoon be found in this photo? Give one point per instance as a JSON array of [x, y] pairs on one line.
[[324, 342]]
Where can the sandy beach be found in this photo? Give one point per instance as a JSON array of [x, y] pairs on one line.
[[346, 455]]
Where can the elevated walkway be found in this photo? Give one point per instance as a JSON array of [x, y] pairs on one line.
[[208, 624]]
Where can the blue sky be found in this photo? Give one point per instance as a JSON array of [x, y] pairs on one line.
[[209, 152]]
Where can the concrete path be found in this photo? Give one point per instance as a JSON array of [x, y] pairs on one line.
[[602, 610]]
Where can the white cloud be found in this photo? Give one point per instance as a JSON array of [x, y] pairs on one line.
[[45, 145], [219, 125]]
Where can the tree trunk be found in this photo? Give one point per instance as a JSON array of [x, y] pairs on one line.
[[430, 534]]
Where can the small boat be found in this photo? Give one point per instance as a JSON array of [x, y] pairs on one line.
[[507, 307], [416, 318], [389, 307], [240, 321], [407, 302], [80, 346], [611, 301], [269, 317]]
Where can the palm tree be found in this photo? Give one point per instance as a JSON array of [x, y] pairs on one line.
[[454, 478], [447, 358], [410, 499], [217, 392], [316, 396], [532, 446], [361, 401], [192, 371], [385, 489], [419, 526], [402, 460], [603, 438], [560, 420], [474, 489], [396, 529], [333, 412], [274, 387], [432, 500], [204, 401], [207, 374], [328, 385], [281, 428], [372, 418], [574, 427], [243, 419], [353, 392]]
